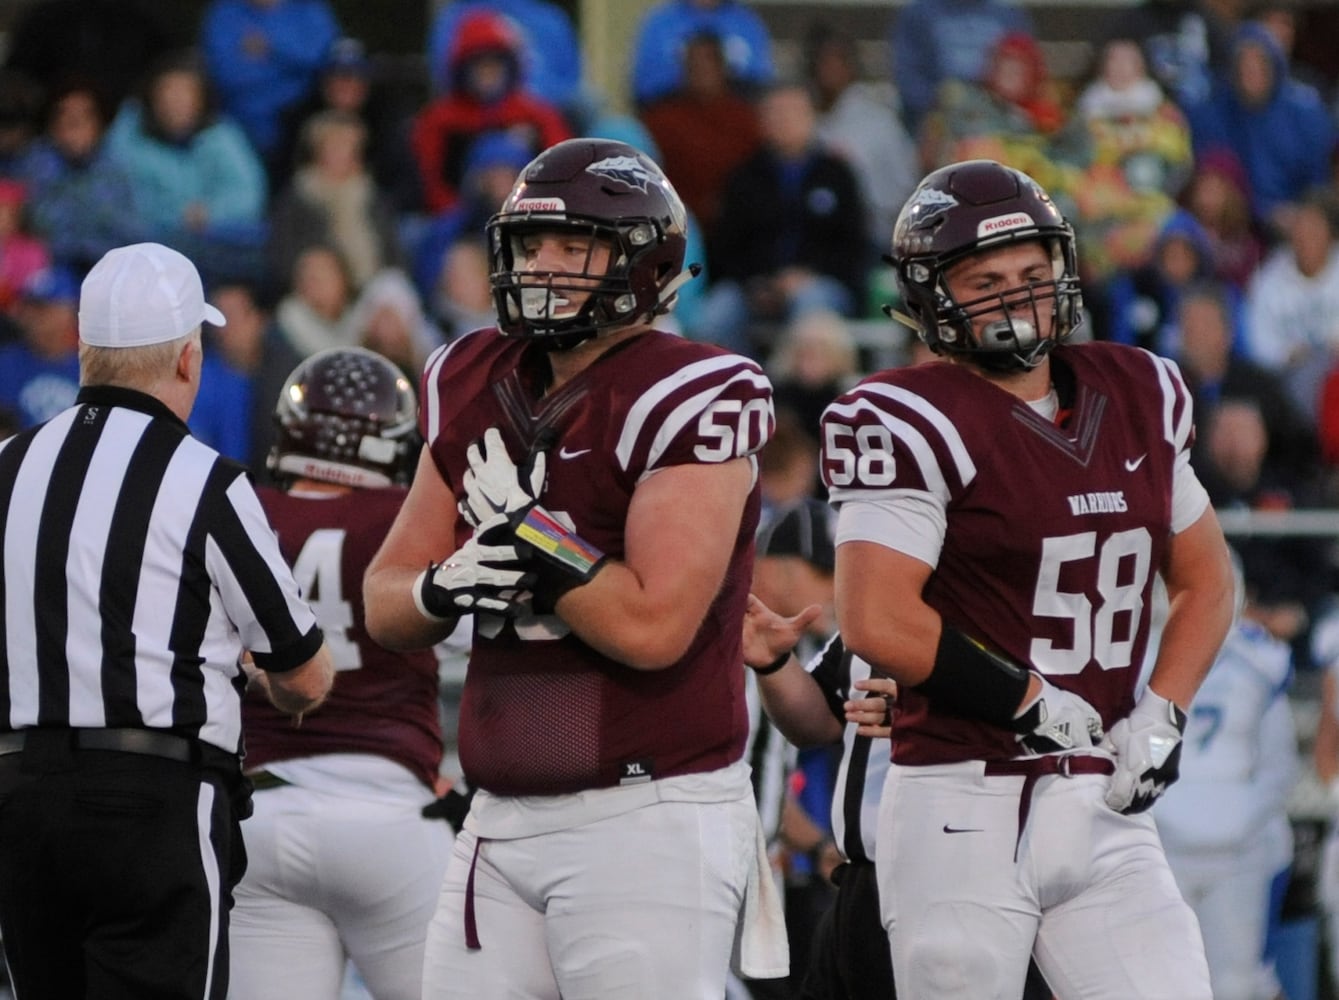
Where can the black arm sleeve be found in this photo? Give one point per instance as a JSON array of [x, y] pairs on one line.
[[971, 681]]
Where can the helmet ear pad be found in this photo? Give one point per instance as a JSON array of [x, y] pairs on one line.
[[964, 209], [610, 192], [348, 416]]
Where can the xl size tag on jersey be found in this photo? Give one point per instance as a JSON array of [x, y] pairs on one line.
[[636, 772]]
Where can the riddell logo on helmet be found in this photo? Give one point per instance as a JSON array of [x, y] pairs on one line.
[[540, 205], [1003, 223]]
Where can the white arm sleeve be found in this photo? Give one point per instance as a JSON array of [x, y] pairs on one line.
[[1189, 498], [911, 521]]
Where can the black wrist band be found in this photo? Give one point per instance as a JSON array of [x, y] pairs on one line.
[[974, 682], [774, 666]]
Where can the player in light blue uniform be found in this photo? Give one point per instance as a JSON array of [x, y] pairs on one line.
[[1224, 825]]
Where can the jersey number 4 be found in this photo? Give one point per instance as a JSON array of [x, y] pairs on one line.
[[318, 571]]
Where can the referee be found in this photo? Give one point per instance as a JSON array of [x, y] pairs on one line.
[[138, 566], [838, 696], [849, 957]]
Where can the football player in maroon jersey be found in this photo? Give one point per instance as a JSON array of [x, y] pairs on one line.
[[589, 491], [1000, 520], [342, 864]]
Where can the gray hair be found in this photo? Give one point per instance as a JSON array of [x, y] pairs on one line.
[[131, 367]]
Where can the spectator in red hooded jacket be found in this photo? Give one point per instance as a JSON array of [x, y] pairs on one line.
[[486, 93]]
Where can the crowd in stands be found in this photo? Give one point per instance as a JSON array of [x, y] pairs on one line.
[[1196, 159]]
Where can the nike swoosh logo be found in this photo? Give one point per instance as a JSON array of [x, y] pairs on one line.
[[564, 453], [961, 829], [1133, 463]]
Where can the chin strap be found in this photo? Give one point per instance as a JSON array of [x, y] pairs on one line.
[[897, 316], [671, 290], [668, 294]]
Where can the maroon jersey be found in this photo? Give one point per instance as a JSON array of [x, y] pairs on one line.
[[1054, 532], [543, 713], [382, 702]]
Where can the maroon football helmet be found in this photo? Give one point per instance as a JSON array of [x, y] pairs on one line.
[[347, 416], [599, 188], [965, 208]]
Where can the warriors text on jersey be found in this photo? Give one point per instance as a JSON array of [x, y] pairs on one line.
[[1053, 533], [382, 703], [542, 712]]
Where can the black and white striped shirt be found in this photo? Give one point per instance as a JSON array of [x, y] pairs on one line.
[[865, 760], [138, 564]]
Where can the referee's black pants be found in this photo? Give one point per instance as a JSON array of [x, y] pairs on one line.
[[116, 874], [849, 958]]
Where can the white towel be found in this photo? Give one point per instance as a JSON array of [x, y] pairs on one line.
[[761, 950]]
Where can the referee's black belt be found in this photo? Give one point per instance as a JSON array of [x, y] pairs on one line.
[[150, 742]]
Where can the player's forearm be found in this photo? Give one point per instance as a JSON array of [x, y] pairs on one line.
[[1202, 596], [618, 616], [881, 614], [392, 616], [901, 647], [1194, 632]]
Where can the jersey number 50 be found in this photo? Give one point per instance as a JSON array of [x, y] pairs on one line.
[[738, 428]]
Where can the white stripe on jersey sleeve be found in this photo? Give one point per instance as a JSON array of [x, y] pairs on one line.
[[20, 561], [84, 566], [1189, 497], [432, 369], [690, 410], [1173, 387], [910, 521], [641, 410], [947, 431], [912, 438]]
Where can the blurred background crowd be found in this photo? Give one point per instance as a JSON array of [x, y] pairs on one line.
[[333, 189]]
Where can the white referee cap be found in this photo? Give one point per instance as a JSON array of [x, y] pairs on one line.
[[142, 294]]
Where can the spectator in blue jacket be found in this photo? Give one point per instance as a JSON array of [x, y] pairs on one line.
[[451, 262], [263, 56], [1144, 304], [39, 375], [658, 54], [1279, 126], [932, 41], [80, 201], [199, 186], [552, 58]]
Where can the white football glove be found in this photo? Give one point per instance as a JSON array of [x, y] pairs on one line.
[[1057, 720], [1147, 745], [494, 484], [476, 577]]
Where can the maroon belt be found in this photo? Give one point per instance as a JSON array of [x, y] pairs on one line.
[[1032, 768]]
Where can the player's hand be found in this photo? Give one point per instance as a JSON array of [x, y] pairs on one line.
[[479, 576], [494, 484], [767, 634], [1057, 720], [1147, 745]]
